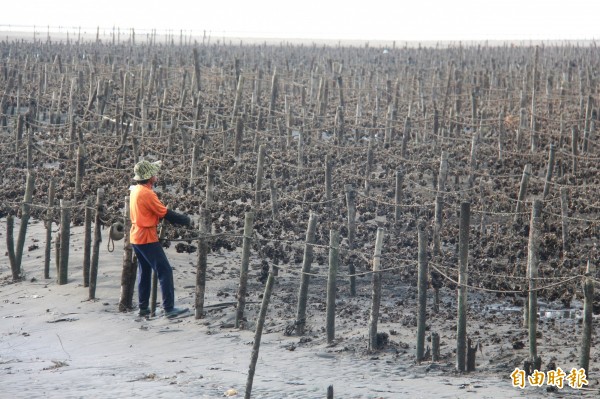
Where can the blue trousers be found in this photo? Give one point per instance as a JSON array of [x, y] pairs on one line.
[[152, 257]]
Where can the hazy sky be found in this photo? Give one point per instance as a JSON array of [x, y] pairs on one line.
[[369, 19]]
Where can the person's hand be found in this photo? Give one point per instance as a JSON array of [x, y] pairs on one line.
[[178, 218]]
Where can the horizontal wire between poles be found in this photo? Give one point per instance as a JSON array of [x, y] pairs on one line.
[[506, 291]]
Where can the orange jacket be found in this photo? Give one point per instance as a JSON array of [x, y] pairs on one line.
[[145, 210]]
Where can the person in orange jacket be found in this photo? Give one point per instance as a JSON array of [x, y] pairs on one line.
[[146, 210]]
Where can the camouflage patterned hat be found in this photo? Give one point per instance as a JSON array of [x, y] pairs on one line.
[[144, 170]]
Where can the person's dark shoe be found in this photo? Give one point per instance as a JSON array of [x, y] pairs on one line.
[[144, 312], [172, 313]]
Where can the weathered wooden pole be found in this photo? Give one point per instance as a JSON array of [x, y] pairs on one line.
[[463, 258], [196, 69], [195, 156], [300, 157], [241, 295], [334, 250], [10, 246], [96, 243], [389, 129], [549, 172], [398, 195], [501, 135], [239, 136], [305, 277], [437, 226], [202, 264], [368, 168], [473, 160], [574, 149], [586, 128], [351, 204], [65, 237], [564, 210], [259, 175], [405, 136], [471, 355], [533, 122], [422, 291], [49, 217], [210, 186], [443, 172], [439, 202], [129, 268], [238, 98], [25, 214], [522, 191], [328, 181], [588, 304], [80, 170], [273, 97], [533, 256], [435, 347], [274, 200], [376, 290], [19, 135], [259, 328], [87, 241]]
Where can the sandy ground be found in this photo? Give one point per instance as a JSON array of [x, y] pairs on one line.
[[54, 343]]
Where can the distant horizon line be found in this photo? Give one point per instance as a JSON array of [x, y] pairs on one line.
[[164, 34]]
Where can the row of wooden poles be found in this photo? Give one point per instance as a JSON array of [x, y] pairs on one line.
[[465, 352]]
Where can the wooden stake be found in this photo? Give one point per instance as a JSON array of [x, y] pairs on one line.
[[305, 277], [49, 217], [471, 355], [259, 175], [259, 328], [522, 191], [328, 182], [239, 136], [586, 128], [533, 254], [96, 243], [238, 98], [210, 186], [376, 292], [274, 200], [473, 161], [202, 265], [273, 97], [405, 137], [398, 195], [574, 149], [351, 204], [25, 214], [10, 246], [369, 167], [65, 236], [435, 347], [533, 123], [549, 171], [422, 291], [564, 207], [588, 304], [241, 295], [463, 254], [80, 171], [334, 240], [87, 241]]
